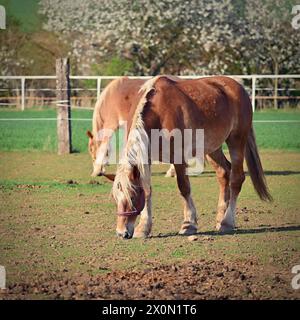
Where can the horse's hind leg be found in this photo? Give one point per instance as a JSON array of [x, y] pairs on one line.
[[222, 167], [189, 225], [171, 172], [236, 145]]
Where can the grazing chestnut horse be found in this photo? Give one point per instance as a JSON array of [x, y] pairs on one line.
[[221, 107], [114, 108]]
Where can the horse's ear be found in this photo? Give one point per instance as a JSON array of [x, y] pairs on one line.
[[109, 176], [89, 134]]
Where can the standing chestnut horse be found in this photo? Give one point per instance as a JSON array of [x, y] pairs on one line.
[[221, 107], [114, 108]]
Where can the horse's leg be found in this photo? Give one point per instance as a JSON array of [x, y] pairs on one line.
[[236, 146], [189, 225], [144, 227], [222, 167], [171, 172]]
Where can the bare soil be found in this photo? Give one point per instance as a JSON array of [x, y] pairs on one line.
[[195, 280], [57, 235]]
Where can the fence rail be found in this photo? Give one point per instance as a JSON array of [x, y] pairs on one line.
[[275, 93]]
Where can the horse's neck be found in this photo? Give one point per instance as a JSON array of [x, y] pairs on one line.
[[107, 124]]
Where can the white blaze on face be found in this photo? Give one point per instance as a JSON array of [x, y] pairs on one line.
[[101, 159], [101, 154], [104, 137]]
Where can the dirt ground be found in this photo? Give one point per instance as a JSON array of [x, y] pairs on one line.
[[195, 280], [57, 235]]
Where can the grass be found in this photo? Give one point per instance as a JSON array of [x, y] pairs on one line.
[[49, 225], [278, 135], [25, 12], [41, 135]]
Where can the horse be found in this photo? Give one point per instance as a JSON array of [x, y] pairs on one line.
[[221, 107], [112, 110]]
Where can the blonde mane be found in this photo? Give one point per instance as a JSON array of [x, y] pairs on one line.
[[97, 120], [136, 152]]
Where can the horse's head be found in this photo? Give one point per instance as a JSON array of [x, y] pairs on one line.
[[130, 199], [98, 149]]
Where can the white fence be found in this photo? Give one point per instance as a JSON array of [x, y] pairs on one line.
[[254, 90]]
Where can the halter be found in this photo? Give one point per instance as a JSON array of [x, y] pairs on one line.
[[134, 212]]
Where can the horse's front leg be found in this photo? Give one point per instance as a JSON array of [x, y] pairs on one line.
[[144, 227], [189, 225]]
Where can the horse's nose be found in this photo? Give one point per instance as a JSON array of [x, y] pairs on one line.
[[126, 235]]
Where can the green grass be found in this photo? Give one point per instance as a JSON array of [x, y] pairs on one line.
[[25, 12], [277, 135], [44, 228], [42, 136]]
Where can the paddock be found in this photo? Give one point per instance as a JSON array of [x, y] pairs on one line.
[[57, 224]]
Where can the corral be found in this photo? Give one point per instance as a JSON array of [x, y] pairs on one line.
[[58, 225]]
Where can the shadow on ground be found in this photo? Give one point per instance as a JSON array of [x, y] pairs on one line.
[[236, 231]]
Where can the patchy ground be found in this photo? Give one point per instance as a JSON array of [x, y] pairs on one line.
[[199, 279], [57, 237]]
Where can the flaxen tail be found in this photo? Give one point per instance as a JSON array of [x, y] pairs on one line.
[[255, 168]]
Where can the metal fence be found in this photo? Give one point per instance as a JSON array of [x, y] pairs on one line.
[[26, 91]]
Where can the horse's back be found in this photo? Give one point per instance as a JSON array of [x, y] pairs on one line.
[[219, 105], [116, 102], [220, 95]]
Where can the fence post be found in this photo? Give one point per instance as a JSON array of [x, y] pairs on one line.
[[276, 85], [276, 93], [22, 93], [63, 89], [253, 92], [98, 88]]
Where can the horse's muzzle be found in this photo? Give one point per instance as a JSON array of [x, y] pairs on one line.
[[125, 235], [139, 205]]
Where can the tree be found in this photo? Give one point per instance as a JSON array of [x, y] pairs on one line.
[[177, 36], [268, 43], [157, 36]]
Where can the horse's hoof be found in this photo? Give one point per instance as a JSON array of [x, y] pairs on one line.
[[140, 235], [188, 230], [170, 175], [224, 228]]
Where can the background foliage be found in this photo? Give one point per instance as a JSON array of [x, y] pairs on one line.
[[148, 37]]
